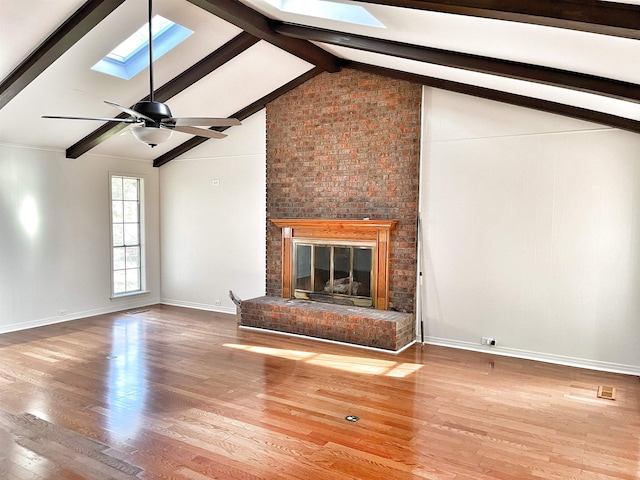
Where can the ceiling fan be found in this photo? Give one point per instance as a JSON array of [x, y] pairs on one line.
[[153, 120]]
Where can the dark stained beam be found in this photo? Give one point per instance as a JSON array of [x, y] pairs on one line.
[[72, 30], [505, 68], [222, 55], [607, 119], [257, 24], [594, 16], [240, 114]]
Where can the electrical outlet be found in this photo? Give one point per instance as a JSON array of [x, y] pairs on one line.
[[217, 303], [62, 311], [488, 341]]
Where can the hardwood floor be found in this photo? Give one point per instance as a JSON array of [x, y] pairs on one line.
[[173, 393]]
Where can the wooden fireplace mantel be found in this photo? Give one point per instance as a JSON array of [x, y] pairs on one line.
[[378, 231]]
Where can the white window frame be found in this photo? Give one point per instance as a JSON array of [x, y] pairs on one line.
[[141, 237]]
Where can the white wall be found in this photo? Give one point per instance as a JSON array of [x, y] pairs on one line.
[[213, 236], [54, 236], [531, 224]]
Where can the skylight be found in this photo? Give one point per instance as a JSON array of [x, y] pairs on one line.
[[132, 56], [328, 10]]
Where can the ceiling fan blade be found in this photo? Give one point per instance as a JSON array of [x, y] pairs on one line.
[[201, 132], [100, 119], [129, 111], [203, 122]]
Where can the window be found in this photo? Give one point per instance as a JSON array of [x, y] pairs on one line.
[[127, 257], [132, 56]]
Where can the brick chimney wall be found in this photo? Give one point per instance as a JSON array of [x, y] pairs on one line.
[[347, 145]]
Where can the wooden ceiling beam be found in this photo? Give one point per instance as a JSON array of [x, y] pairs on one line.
[[492, 66], [548, 106], [593, 16], [65, 36], [257, 24], [204, 67], [240, 114]]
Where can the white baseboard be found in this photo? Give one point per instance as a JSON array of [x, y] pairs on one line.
[[198, 306], [537, 356], [116, 307]]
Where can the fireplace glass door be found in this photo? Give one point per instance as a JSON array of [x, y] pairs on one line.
[[341, 273]]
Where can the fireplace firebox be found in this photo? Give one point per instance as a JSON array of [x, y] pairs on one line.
[[341, 272], [344, 261]]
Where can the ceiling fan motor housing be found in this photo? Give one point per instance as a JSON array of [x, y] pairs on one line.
[[155, 110]]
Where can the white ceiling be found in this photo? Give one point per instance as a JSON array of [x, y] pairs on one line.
[[70, 87]]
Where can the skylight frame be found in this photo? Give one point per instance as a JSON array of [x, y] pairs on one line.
[[166, 37], [139, 39], [328, 10]]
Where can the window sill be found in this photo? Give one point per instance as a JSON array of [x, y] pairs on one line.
[[128, 295]]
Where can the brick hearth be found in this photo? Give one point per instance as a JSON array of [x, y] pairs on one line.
[[356, 325]]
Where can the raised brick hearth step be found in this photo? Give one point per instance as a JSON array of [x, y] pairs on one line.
[[382, 329]]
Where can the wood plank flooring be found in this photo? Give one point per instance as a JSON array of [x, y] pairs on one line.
[[174, 393]]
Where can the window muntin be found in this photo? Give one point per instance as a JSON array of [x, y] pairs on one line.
[[126, 235]]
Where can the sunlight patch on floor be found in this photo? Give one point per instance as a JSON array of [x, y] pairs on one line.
[[364, 365]]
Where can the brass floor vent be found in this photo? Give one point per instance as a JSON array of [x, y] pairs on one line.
[[607, 392]]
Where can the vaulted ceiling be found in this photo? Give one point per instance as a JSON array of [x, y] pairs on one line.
[[579, 58]]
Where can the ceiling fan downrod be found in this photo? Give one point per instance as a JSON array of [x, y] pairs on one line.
[[150, 52], [151, 133]]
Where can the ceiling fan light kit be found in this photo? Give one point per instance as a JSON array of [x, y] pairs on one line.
[[154, 120], [150, 115], [152, 136]]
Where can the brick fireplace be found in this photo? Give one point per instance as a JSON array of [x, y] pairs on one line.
[[344, 146]]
